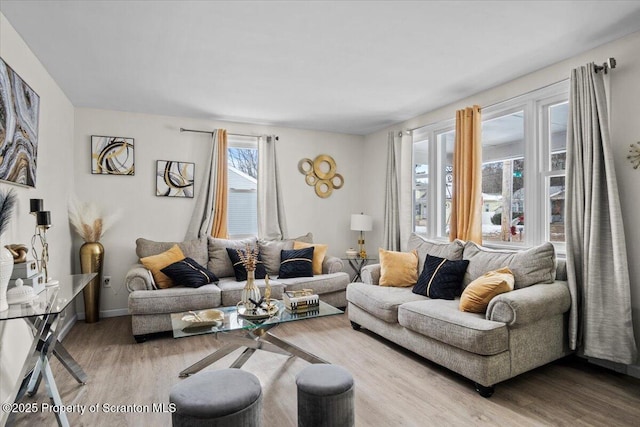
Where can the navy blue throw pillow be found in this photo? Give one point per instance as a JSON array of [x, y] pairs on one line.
[[296, 263], [189, 273], [441, 278], [238, 267]]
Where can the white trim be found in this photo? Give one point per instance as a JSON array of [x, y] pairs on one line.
[[107, 313], [67, 327]]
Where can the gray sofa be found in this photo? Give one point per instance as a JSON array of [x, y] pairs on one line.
[[150, 307], [521, 329]]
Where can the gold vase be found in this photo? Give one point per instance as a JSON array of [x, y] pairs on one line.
[[250, 292], [91, 261]]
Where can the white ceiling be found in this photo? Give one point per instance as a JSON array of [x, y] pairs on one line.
[[350, 66]]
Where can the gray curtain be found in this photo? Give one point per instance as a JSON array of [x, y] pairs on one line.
[[271, 218], [600, 318], [391, 238], [202, 217]]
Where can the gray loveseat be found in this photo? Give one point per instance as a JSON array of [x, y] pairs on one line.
[[521, 329], [150, 307]]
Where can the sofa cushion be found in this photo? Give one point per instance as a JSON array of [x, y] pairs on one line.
[[319, 253], [155, 263], [531, 266], [195, 249], [398, 268], [174, 300], [443, 321], [296, 263], [232, 290], [441, 278], [239, 270], [219, 261], [321, 284], [380, 301], [480, 292], [270, 253], [448, 250], [189, 273]]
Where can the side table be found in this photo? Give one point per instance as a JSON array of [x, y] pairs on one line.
[[42, 315], [356, 265]]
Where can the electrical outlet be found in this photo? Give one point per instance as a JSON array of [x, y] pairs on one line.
[[106, 281]]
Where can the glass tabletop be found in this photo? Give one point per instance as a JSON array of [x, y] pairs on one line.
[[52, 300], [234, 321]]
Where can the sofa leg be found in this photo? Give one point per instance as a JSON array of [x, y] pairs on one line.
[[355, 326], [140, 338], [484, 391]]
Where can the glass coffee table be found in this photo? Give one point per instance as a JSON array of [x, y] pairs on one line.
[[236, 331]]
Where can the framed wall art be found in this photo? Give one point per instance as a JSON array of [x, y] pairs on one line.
[[174, 179], [112, 155], [19, 115]]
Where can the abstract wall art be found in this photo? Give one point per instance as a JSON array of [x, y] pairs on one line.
[[112, 155], [320, 173], [19, 113], [174, 179]]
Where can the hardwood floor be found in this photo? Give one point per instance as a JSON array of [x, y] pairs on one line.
[[394, 387]]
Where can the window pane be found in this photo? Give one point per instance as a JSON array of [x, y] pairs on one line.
[[558, 135], [446, 143], [242, 209], [503, 173], [555, 195], [421, 185]]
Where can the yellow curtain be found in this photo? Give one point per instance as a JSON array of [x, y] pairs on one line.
[[219, 227], [466, 211]]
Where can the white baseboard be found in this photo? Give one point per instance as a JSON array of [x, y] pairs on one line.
[[108, 313], [67, 326]]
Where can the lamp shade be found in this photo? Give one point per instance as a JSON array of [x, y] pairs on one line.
[[361, 222]]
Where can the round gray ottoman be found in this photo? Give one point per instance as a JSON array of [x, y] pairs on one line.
[[325, 397], [226, 398]]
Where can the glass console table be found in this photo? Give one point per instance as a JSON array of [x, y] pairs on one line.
[[42, 315], [357, 264]]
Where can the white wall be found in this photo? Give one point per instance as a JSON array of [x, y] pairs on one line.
[[54, 180], [166, 219], [625, 130]]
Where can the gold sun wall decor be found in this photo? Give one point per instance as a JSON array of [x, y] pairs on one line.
[[320, 173], [634, 156]]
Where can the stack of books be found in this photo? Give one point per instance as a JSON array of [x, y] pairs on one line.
[[296, 303]]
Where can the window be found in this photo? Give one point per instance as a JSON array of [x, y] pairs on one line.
[[242, 168], [523, 177]]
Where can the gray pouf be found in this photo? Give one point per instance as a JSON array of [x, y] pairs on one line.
[[325, 397], [226, 398]]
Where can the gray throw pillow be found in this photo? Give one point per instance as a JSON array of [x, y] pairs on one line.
[[530, 266], [219, 261], [447, 250], [270, 251], [194, 249]]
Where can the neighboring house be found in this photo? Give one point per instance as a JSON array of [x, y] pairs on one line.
[[242, 216]]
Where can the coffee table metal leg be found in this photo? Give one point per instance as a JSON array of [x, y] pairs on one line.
[[246, 354], [217, 355], [296, 351]]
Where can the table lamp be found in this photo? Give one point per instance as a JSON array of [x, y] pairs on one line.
[[361, 223]]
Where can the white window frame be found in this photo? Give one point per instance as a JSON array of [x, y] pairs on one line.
[[245, 142], [535, 105]]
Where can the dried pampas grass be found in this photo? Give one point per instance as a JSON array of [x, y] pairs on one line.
[[88, 219]]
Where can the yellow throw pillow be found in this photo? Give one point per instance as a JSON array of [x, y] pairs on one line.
[[476, 296], [155, 263], [398, 268], [319, 252]]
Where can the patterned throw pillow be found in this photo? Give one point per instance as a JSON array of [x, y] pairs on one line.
[[475, 297], [238, 268], [296, 263], [319, 252], [441, 278], [156, 263], [189, 273]]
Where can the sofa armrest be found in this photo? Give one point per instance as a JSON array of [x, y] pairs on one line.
[[530, 304], [332, 264], [370, 274], [138, 278]]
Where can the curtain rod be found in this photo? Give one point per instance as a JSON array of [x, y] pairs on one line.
[[610, 64], [211, 133]]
